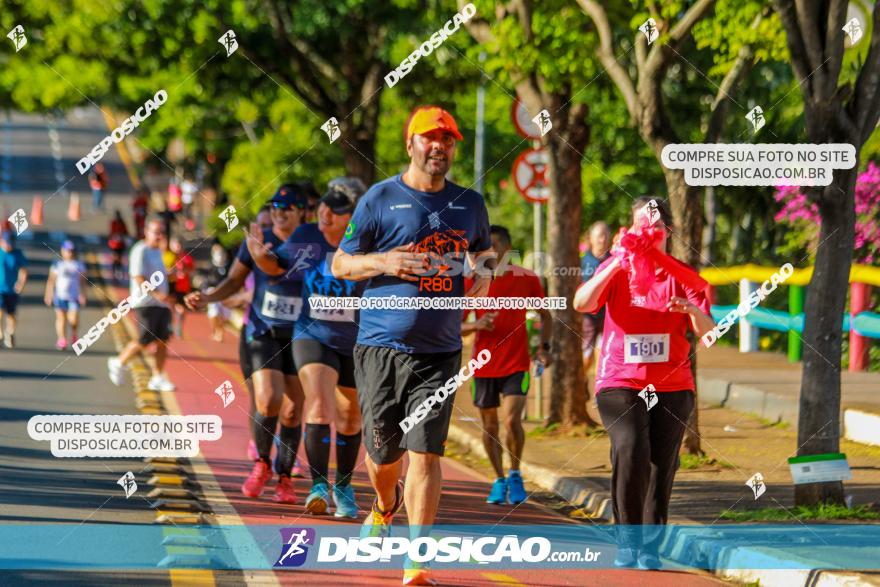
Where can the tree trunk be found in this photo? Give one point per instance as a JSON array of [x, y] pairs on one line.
[[359, 157], [709, 228], [687, 217], [565, 144], [819, 415], [358, 140]]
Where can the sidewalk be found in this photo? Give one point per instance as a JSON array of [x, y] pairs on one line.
[[767, 385], [577, 467]]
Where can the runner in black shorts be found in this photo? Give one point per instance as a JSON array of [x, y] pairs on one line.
[[323, 346], [275, 308], [409, 236], [504, 382]]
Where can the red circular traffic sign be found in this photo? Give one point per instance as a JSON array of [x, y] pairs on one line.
[[522, 120], [530, 175]]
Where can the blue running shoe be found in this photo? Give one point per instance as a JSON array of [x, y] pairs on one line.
[[649, 562], [516, 488], [318, 500], [498, 494], [346, 506], [625, 558]]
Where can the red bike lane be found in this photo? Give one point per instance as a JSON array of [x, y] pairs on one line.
[[198, 365]]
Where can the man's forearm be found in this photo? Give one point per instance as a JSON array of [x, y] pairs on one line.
[[357, 267]]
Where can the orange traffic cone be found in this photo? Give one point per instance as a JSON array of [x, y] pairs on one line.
[[73, 208], [37, 211]]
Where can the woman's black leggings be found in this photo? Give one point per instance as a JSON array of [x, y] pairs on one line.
[[644, 457]]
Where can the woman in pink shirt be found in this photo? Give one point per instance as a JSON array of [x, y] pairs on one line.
[[645, 344]]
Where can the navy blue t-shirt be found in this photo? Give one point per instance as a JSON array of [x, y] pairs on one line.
[[308, 254], [446, 224], [277, 299], [589, 265]]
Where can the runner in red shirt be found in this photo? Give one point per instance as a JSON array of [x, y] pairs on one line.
[[504, 380], [644, 344]]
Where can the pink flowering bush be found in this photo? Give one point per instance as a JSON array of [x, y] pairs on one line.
[[803, 216]]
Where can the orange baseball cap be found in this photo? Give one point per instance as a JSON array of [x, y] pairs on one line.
[[427, 118]]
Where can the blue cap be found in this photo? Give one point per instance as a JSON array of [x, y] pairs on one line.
[[68, 245], [290, 196]]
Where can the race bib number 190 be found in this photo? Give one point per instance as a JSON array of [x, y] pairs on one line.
[[646, 348]]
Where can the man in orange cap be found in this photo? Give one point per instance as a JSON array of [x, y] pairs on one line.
[[410, 236]]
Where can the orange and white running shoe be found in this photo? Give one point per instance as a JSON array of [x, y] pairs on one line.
[[378, 524]]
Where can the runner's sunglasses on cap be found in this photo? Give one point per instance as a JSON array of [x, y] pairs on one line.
[[342, 194], [287, 198]]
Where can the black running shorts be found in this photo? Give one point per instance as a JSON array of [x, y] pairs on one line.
[[307, 350], [244, 354], [487, 391], [272, 350], [154, 323], [391, 385]]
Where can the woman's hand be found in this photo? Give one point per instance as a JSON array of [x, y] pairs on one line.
[[681, 305]]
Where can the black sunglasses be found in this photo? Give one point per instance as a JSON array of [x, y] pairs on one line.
[[285, 207]]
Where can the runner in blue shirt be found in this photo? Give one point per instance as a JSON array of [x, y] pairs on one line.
[[323, 345], [275, 307], [410, 236], [13, 276]]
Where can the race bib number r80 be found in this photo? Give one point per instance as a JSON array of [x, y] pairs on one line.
[[646, 348], [281, 307]]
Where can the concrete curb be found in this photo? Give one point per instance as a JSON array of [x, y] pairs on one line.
[[859, 425]]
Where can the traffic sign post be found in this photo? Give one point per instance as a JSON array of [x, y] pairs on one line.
[[530, 175], [530, 179]]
